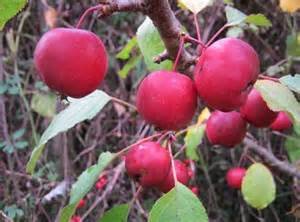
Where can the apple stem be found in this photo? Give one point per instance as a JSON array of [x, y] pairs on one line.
[[190, 39], [135, 196], [181, 45], [122, 102], [268, 78], [197, 27], [88, 11], [216, 35], [172, 163], [137, 143]]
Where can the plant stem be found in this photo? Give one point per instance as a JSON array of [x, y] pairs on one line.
[[268, 78], [181, 45], [216, 35], [197, 27], [88, 11], [122, 102], [172, 164]]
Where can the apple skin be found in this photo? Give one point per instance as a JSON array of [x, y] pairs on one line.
[[226, 128], [256, 111], [182, 177], [72, 62], [167, 100], [225, 73], [282, 122], [234, 177], [149, 163]]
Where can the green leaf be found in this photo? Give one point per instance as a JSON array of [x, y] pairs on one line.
[[44, 104], [180, 205], [235, 32], [8, 9], [192, 139], [116, 214], [124, 54], [132, 62], [234, 16], [279, 98], [293, 45], [21, 145], [195, 6], [151, 45], [78, 111], [84, 183], [293, 82], [259, 20], [258, 186], [292, 145], [18, 134]]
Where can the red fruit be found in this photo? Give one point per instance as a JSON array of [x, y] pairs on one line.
[[190, 173], [256, 111], [101, 183], [225, 73], [149, 163], [76, 219], [182, 177], [71, 61], [226, 129], [195, 190], [282, 122], [234, 177], [167, 99], [81, 204]]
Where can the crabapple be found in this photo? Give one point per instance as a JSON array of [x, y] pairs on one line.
[[81, 204], [167, 99], [72, 62], [256, 111], [234, 177], [76, 219], [282, 122], [181, 173], [225, 73], [195, 190], [226, 129], [149, 163]]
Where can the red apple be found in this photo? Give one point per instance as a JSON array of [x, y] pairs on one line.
[[226, 129], [256, 111], [182, 177], [282, 122], [149, 163], [234, 177], [167, 99], [225, 73], [72, 62]]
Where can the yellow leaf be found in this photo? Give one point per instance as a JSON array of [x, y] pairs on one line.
[[195, 6], [50, 17], [290, 5], [204, 115]]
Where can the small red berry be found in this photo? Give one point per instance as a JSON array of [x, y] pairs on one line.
[[234, 177], [282, 122], [76, 219], [182, 177], [81, 204], [148, 163], [195, 190], [100, 185]]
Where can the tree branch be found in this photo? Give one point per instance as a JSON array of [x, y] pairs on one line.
[[271, 159], [169, 29], [164, 20]]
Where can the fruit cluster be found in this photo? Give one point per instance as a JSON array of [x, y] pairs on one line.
[[151, 165], [74, 62]]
